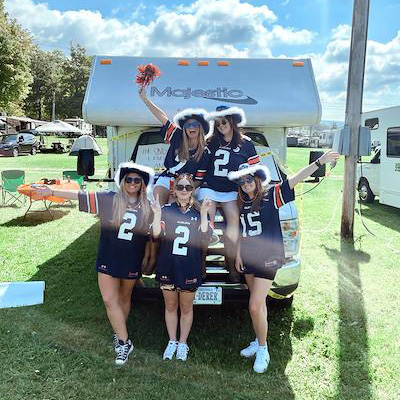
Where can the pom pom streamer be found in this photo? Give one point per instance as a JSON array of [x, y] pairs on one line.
[[146, 74]]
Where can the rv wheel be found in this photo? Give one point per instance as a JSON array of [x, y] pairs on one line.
[[365, 193]]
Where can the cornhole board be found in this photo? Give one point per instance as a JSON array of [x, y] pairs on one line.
[[19, 294]]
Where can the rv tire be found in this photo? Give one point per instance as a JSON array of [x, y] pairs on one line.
[[364, 192]]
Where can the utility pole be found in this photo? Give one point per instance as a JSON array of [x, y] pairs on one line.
[[53, 114], [355, 85]]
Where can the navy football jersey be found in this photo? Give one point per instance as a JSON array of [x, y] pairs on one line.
[[224, 159], [173, 135], [180, 254], [261, 241], [121, 248]]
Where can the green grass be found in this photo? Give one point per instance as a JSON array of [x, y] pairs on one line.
[[338, 341]]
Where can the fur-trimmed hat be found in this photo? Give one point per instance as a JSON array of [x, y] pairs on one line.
[[199, 114], [261, 171], [146, 173], [236, 113]]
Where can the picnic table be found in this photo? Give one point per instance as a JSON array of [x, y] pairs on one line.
[[29, 191]]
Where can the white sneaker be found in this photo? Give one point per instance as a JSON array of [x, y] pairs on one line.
[[262, 359], [182, 351], [170, 350], [123, 351], [250, 350]]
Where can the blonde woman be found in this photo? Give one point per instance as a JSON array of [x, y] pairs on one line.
[[183, 230], [124, 216], [187, 152]]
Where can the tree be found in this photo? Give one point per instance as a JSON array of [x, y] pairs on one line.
[[47, 71], [76, 72], [15, 61]]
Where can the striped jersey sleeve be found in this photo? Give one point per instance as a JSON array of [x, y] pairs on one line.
[[202, 166], [253, 157], [94, 202], [169, 130], [282, 194]]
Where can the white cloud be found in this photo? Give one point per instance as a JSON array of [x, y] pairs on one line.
[[217, 28]]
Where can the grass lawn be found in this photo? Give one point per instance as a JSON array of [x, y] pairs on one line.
[[339, 340]]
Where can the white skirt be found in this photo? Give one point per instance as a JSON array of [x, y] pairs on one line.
[[164, 181], [219, 197]]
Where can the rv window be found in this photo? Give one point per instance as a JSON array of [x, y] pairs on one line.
[[145, 139], [372, 123], [257, 138], [393, 142]]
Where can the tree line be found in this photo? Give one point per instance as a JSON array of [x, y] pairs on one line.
[[30, 77]]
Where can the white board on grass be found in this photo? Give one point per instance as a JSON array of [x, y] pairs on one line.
[[19, 294]]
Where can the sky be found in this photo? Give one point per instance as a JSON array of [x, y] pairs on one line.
[[316, 29]]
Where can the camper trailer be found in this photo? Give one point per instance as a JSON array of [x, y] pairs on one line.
[[283, 95], [381, 175]]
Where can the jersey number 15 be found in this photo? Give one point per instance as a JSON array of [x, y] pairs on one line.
[[252, 227]]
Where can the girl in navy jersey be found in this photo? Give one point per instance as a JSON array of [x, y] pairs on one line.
[[183, 231], [125, 217], [260, 252], [187, 152], [228, 149]]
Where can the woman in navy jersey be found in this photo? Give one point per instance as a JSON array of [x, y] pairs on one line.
[[228, 149], [187, 152], [260, 252], [183, 231], [125, 216]]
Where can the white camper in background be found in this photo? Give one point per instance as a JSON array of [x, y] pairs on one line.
[[381, 176], [275, 94]]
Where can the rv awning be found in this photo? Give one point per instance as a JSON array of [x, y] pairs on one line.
[[85, 142], [272, 92]]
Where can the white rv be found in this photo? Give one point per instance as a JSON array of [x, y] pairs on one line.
[[381, 175], [275, 94]]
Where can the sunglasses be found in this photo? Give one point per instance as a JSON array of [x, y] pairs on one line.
[[134, 180], [180, 188], [193, 124], [248, 179], [221, 122]]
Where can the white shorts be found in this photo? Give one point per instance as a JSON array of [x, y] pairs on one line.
[[164, 181], [219, 197]]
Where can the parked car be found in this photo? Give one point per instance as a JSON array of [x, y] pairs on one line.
[[18, 143]]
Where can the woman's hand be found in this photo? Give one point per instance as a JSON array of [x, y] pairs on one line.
[[142, 93], [206, 206], [239, 264], [155, 207], [329, 156]]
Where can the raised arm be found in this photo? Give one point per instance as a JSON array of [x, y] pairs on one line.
[[329, 156], [156, 225], [46, 191], [157, 112]]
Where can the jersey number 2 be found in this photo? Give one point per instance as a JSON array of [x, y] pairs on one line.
[[220, 162], [179, 249], [128, 225], [255, 227]]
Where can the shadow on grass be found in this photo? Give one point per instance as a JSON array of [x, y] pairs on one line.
[[381, 214], [36, 218], [354, 368]]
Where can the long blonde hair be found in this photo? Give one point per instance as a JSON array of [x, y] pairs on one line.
[[120, 203], [183, 152]]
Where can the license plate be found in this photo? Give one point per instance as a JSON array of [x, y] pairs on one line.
[[208, 295]]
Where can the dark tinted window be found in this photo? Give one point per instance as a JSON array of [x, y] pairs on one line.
[[28, 137], [147, 138], [372, 123], [393, 142], [258, 139], [8, 138]]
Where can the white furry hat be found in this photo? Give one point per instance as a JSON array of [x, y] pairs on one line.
[[146, 173], [199, 114], [237, 114], [261, 171]]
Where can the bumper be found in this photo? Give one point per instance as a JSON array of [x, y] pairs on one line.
[[6, 152]]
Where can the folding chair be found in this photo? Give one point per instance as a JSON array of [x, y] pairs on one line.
[[10, 180], [73, 176]]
